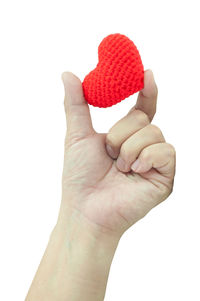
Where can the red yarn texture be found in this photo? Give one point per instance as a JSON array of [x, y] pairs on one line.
[[118, 74]]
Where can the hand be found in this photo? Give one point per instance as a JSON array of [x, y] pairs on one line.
[[112, 180]]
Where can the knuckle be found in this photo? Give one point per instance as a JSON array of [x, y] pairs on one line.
[[142, 118], [145, 155], [111, 139], [171, 152], [156, 131]]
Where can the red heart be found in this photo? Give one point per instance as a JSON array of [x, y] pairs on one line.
[[118, 74]]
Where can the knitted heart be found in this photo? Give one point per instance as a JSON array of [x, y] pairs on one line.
[[118, 74]]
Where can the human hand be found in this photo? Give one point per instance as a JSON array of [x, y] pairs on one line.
[[112, 180]]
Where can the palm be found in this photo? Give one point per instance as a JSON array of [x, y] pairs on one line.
[[112, 199]]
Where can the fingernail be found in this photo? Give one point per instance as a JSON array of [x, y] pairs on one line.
[[64, 77], [149, 71], [69, 79], [121, 164], [110, 151], [135, 165]]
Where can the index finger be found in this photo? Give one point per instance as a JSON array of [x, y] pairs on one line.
[[147, 98]]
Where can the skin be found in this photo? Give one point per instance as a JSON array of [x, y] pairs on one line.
[[110, 181]]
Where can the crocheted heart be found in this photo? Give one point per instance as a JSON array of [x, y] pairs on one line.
[[118, 74]]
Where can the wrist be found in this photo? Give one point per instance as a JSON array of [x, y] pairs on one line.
[[75, 226], [88, 251]]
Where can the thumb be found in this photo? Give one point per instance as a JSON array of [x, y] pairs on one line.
[[79, 123], [147, 98]]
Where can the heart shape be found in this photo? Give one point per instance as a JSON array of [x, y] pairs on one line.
[[118, 74]]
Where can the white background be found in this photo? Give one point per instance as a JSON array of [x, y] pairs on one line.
[[158, 258]]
